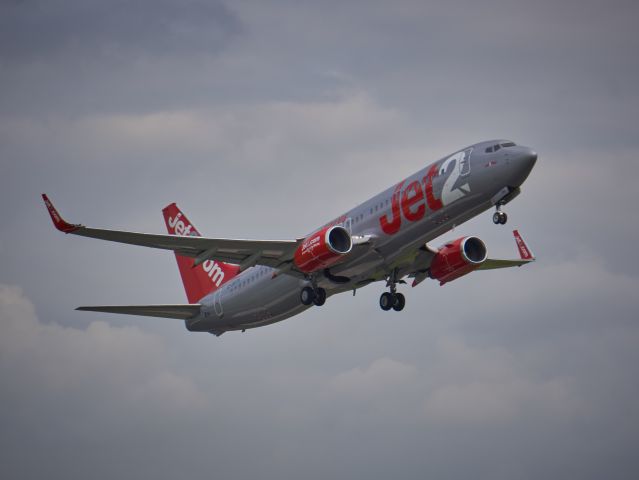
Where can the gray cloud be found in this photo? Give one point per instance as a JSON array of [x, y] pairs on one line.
[[77, 57], [36, 30], [264, 119]]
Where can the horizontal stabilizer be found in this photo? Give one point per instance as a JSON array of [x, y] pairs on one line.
[[181, 312]]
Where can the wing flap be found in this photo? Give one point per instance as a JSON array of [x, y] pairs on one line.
[[179, 311], [493, 263]]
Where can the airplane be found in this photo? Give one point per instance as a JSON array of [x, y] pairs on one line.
[[235, 285]]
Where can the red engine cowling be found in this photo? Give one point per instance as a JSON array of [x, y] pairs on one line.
[[323, 249], [457, 258]]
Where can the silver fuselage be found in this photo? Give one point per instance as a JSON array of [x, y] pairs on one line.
[[454, 189]]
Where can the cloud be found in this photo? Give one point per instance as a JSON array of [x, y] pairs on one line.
[[76, 57], [249, 134], [382, 374], [35, 30], [101, 370], [491, 386], [263, 120]]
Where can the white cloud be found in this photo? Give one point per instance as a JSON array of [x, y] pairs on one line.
[[380, 376], [473, 385], [248, 134], [109, 367]]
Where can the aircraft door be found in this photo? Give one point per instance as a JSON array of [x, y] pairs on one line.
[[464, 162], [217, 304], [348, 225]]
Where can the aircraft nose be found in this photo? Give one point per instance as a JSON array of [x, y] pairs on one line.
[[524, 161], [529, 158]]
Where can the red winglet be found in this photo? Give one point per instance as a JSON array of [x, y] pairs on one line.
[[58, 221], [524, 251]]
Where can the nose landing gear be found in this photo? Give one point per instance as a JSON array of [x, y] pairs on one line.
[[392, 299], [499, 217]]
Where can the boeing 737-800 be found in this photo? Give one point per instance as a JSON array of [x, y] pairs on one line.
[[240, 284]]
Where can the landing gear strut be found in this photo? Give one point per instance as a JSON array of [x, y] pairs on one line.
[[392, 299], [310, 295], [499, 217]]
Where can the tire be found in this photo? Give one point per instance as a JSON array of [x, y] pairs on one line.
[[386, 301], [307, 295], [400, 302], [503, 218], [496, 218], [320, 297]]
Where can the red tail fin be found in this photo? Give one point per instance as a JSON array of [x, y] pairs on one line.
[[205, 278]]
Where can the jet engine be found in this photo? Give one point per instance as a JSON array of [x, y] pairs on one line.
[[457, 258], [323, 249]]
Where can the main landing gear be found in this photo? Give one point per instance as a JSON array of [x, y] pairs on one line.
[[389, 300], [392, 299], [499, 217], [310, 295]]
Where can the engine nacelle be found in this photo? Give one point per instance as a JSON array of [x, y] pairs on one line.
[[457, 258], [323, 249]]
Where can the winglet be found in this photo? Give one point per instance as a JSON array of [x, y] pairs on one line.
[[58, 221], [524, 251]]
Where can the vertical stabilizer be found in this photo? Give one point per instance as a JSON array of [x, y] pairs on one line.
[[205, 278]]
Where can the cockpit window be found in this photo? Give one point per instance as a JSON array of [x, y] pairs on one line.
[[497, 146]]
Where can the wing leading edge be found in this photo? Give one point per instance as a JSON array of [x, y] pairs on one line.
[[181, 312], [271, 253]]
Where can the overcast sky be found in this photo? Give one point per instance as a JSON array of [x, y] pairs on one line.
[[264, 119]]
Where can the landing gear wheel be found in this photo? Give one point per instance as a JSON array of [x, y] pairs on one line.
[[400, 302], [386, 301], [307, 296], [500, 218], [320, 297]]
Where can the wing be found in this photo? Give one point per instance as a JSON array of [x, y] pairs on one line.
[[181, 312], [426, 254], [525, 253], [246, 253]]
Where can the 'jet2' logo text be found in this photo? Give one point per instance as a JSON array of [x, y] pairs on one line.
[[411, 202]]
